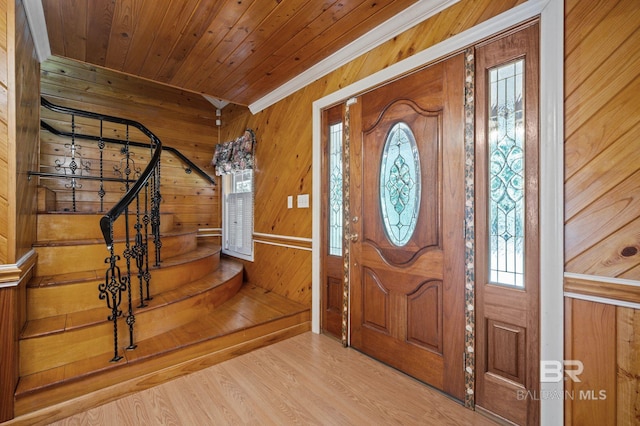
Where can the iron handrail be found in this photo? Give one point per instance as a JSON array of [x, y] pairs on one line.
[[106, 222], [191, 166]]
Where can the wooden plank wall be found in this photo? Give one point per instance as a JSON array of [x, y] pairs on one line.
[[181, 120], [19, 94], [284, 145], [602, 207], [5, 169], [27, 101]]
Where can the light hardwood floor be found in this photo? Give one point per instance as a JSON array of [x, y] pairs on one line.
[[307, 379]]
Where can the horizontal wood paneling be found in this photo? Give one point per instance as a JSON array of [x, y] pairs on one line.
[[181, 120]]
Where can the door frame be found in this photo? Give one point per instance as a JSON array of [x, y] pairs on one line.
[[551, 13]]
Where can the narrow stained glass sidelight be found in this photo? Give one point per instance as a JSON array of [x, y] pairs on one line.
[[335, 189], [506, 175], [400, 184]]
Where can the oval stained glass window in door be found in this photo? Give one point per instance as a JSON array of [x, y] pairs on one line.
[[400, 184]]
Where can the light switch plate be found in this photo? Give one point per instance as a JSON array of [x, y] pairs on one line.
[[290, 202], [303, 201]]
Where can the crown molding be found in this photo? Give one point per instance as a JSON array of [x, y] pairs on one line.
[[38, 26], [218, 103], [408, 18]]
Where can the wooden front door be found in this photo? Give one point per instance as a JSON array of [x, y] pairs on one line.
[[407, 224]]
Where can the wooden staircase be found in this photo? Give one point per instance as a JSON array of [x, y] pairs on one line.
[[200, 314]]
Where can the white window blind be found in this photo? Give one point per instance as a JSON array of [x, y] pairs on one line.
[[237, 224], [240, 215]]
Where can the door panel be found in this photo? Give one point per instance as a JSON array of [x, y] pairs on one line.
[[507, 308], [332, 213], [407, 260]]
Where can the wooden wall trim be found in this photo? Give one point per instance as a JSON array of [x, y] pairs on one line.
[[300, 243], [612, 291], [11, 274], [209, 232]]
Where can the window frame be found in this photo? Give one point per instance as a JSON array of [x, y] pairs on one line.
[[228, 190]]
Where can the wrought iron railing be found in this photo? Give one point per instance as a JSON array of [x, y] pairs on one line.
[[139, 208]]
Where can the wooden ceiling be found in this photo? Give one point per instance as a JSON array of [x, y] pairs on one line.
[[234, 50]]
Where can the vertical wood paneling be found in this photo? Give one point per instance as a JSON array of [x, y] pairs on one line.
[[19, 86], [9, 352], [606, 339], [628, 346], [592, 329], [184, 121], [5, 169], [27, 128]]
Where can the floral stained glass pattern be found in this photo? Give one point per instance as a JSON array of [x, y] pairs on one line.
[[335, 189], [506, 175], [400, 184]]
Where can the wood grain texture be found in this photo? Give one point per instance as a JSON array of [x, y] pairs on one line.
[[602, 129], [284, 138], [227, 49], [252, 319], [592, 328], [6, 166], [27, 128], [605, 338], [307, 379], [628, 354], [181, 120]]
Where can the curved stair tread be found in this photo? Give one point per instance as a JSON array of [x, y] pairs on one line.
[[249, 316], [227, 269], [202, 250], [94, 241]]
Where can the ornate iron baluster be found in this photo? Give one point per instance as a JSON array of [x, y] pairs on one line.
[[101, 191], [140, 252], [128, 253], [111, 291], [155, 213], [146, 220]]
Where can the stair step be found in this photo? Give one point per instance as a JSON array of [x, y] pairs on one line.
[[62, 257], [50, 342], [254, 317], [56, 226], [60, 294]]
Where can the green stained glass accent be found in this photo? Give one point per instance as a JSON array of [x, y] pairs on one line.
[[335, 189], [400, 184], [506, 175]]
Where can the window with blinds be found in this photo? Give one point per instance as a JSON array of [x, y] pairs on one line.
[[237, 227]]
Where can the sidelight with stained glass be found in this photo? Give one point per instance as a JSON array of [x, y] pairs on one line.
[[335, 189], [506, 175]]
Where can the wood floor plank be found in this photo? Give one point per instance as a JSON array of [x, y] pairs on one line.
[[307, 379]]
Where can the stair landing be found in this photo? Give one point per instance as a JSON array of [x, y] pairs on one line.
[[253, 318]]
